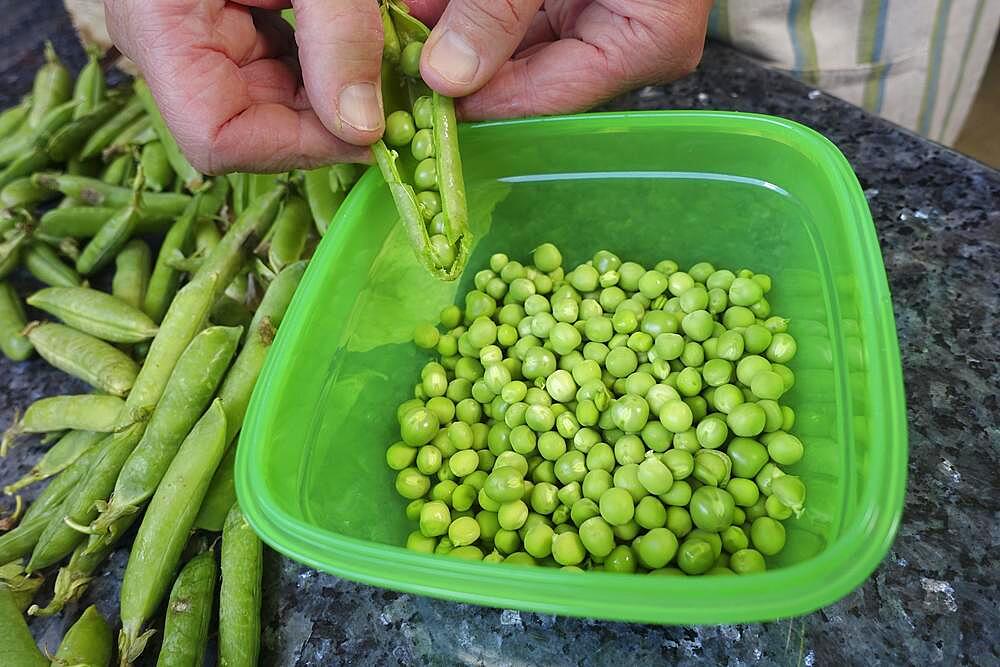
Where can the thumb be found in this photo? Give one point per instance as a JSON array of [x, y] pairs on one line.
[[471, 41], [340, 51]]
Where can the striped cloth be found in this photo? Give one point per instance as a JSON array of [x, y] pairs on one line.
[[917, 63]]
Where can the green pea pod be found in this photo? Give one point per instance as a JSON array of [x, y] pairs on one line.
[[67, 140], [25, 164], [22, 586], [159, 173], [75, 221], [132, 269], [148, 136], [106, 133], [343, 176], [213, 198], [127, 138], [291, 229], [44, 264], [220, 496], [183, 320], [238, 183], [90, 87], [160, 206], [70, 448], [54, 121], [52, 87], [77, 167], [227, 258], [53, 495], [118, 169], [390, 40], [192, 178], [231, 313], [239, 596], [206, 236], [82, 412], [19, 542], [444, 252], [13, 118], [22, 192], [18, 646], [14, 345], [114, 234], [165, 278], [189, 611], [323, 200], [88, 642], [85, 357], [96, 313], [165, 527], [189, 390]]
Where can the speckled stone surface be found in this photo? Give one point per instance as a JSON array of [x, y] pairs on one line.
[[932, 601]]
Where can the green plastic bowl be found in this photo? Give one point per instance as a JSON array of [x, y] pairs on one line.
[[737, 190]]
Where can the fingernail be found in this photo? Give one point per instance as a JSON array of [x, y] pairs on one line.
[[454, 58], [358, 106]]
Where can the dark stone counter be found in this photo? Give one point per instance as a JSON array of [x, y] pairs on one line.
[[934, 598]]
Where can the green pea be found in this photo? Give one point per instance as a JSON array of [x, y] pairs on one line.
[[676, 416], [746, 420], [504, 484], [784, 448], [776, 325], [463, 531], [698, 325], [790, 491], [711, 508], [507, 541], [400, 456], [512, 515], [571, 467], [782, 348], [429, 459], [409, 60], [744, 492], [568, 549], [622, 559], [399, 128], [776, 509], [726, 398], [767, 535], [418, 426], [538, 363], [744, 292], [695, 556], [463, 496], [679, 462], [717, 372], [596, 483], [435, 517], [712, 467], [738, 316], [655, 476], [680, 282], [657, 548], [679, 494], [617, 506], [747, 561], [712, 432], [538, 540]]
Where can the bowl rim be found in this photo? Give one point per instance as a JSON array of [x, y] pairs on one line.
[[787, 591]]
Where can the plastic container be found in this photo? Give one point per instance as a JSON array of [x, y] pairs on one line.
[[734, 189]]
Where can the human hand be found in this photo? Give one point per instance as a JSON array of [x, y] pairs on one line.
[[529, 57], [237, 92]]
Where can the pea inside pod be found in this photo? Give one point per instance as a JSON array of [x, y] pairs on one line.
[[418, 155]]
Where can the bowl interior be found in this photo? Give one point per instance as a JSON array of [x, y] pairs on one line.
[[737, 191]]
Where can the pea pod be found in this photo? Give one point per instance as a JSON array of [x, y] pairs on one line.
[[188, 392], [96, 313], [18, 646], [25, 164], [70, 448], [87, 412], [106, 133], [193, 180], [238, 183], [85, 221], [119, 170], [239, 595], [227, 258], [88, 642], [165, 278], [323, 200], [14, 345], [206, 237], [114, 234], [156, 205], [21, 585], [165, 527], [52, 87], [290, 232], [67, 140], [238, 386], [85, 357], [90, 87], [159, 173], [13, 118], [132, 268], [127, 138], [22, 192], [44, 264], [189, 611], [430, 161]]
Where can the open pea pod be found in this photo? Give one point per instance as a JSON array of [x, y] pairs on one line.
[[419, 156]]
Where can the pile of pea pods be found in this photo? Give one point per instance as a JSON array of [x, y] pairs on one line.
[[162, 289]]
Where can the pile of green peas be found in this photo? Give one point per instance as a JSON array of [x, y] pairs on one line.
[[613, 417]]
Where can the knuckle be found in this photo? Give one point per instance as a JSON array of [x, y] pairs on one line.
[[490, 16]]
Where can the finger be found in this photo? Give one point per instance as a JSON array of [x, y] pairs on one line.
[[472, 40], [539, 32], [275, 82], [428, 11], [340, 50]]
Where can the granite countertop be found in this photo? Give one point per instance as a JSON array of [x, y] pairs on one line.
[[934, 598]]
